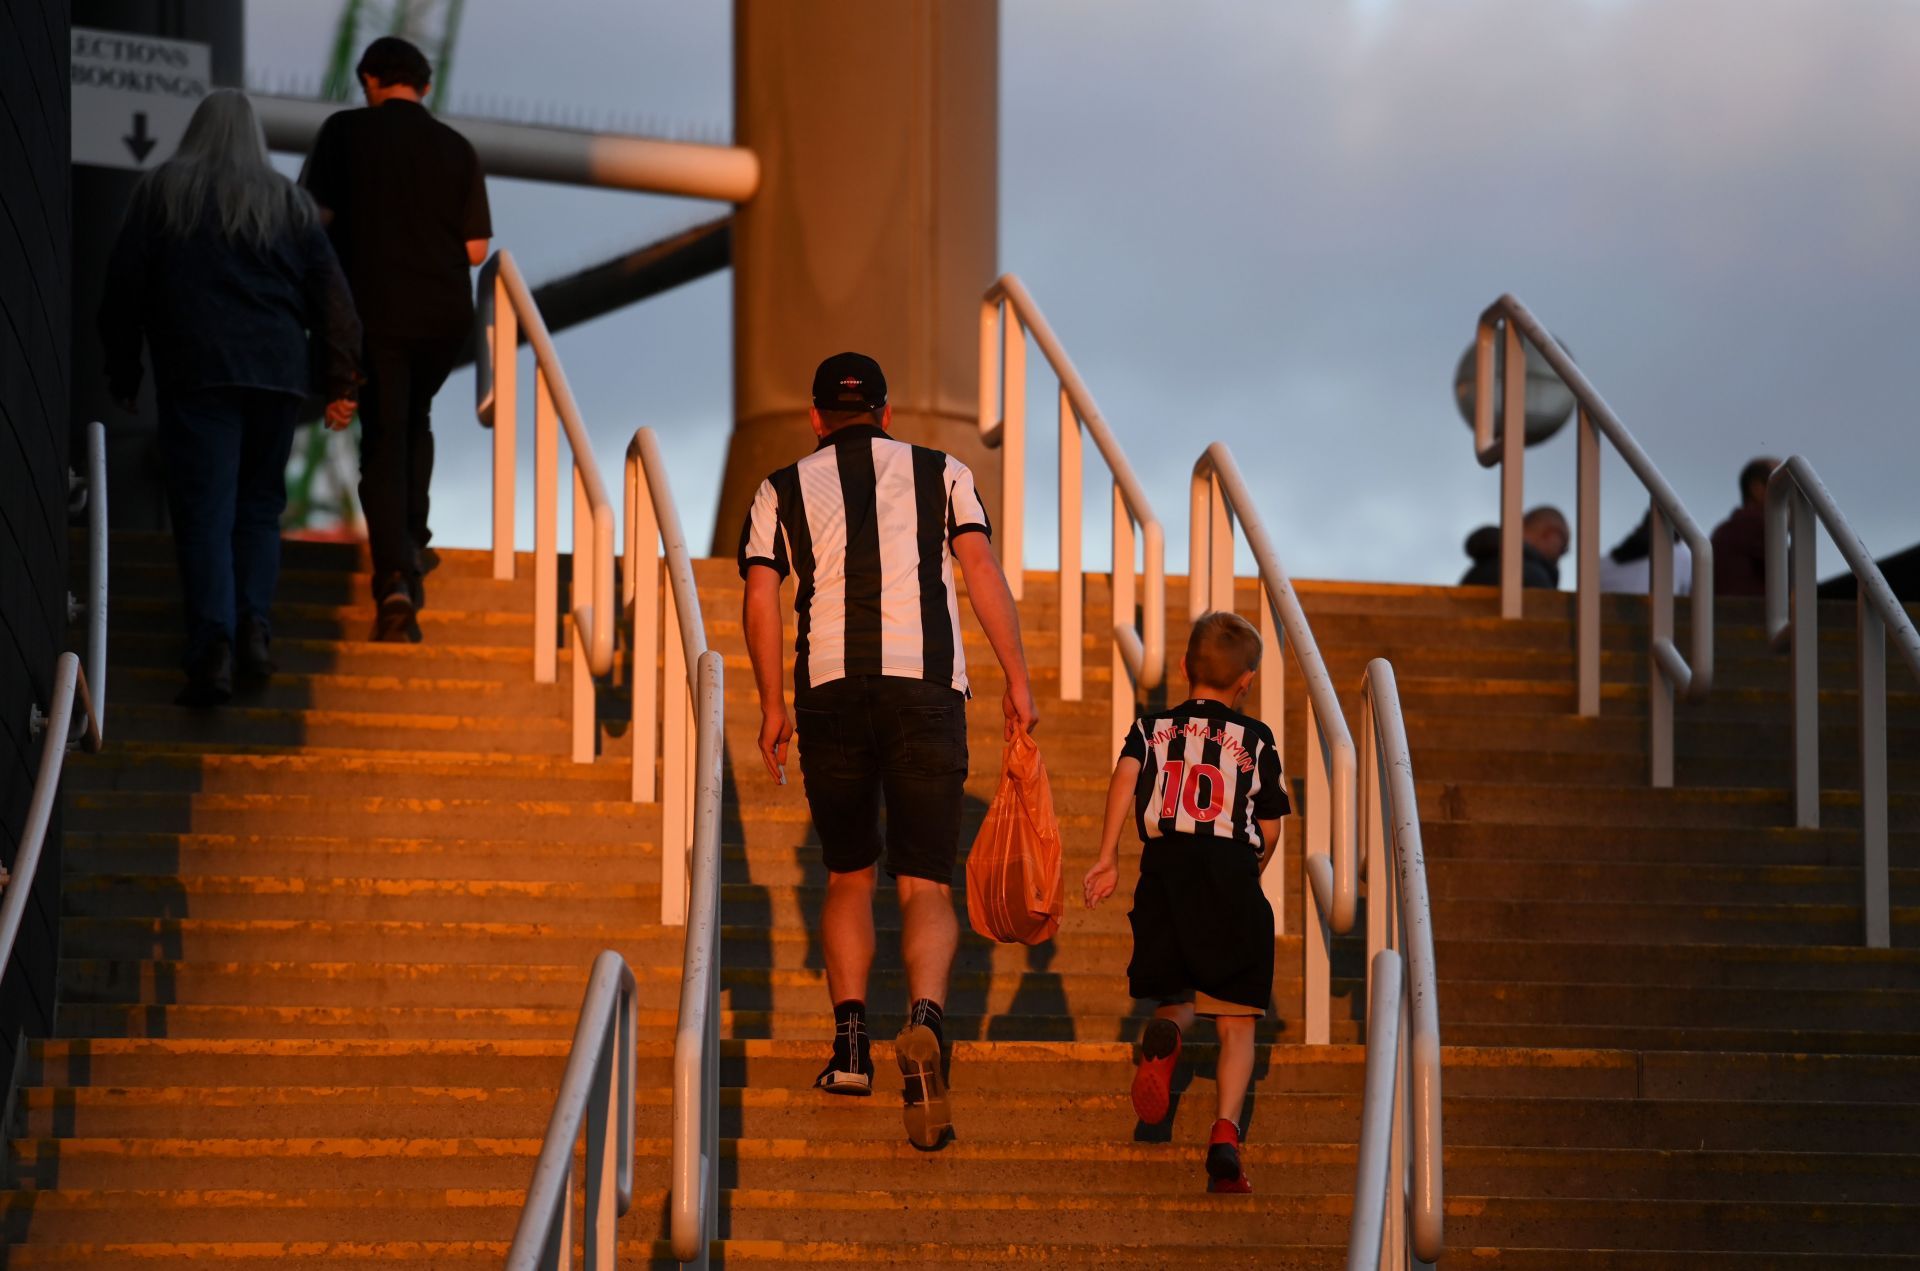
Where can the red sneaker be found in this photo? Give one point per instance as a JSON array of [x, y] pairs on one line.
[[1224, 1175], [1153, 1079]]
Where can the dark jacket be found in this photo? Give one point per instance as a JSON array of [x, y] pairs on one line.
[[1483, 545], [222, 313], [1740, 554]]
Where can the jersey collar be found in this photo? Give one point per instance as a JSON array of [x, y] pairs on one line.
[[850, 434]]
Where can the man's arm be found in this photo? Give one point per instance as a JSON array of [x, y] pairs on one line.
[[993, 605], [760, 615]]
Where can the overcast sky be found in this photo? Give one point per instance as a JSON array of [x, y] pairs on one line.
[[1275, 224]]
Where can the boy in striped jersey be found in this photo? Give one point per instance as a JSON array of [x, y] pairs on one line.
[[1201, 783]]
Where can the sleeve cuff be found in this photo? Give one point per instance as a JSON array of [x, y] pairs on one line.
[[970, 528], [768, 561]]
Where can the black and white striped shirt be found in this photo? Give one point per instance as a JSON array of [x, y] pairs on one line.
[[867, 524], [1207, 770]]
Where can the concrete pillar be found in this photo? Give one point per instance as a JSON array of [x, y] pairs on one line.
[[876, 224]]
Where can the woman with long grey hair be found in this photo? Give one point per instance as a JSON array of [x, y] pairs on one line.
[[224, 268]]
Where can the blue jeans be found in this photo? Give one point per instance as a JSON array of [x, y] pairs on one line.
[[226, 460]]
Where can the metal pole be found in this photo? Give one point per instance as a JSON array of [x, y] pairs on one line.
[[1374, 851], [1072, 581], [581, 673], [1803, 604], [546, 530], [1318, 835], [1013, 450], [1372, 1185], [1273, 713], [643, 578], [1588, 614], [675, 742], [1513, 461], [1873, 769], [1660, 630], [1219, 549], [602, 1224], [1121, 587], [506, 337]]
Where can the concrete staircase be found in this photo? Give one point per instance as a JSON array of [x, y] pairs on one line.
[[323, 950]]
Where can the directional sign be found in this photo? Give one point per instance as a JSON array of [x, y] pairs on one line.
[[133, 95]]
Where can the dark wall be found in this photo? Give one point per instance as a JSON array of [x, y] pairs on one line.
[[35, 362]]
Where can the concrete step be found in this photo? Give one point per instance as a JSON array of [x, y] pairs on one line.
[[601, 821]]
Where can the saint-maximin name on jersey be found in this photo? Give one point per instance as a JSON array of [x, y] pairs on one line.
[[867, 524], [1207, 770]]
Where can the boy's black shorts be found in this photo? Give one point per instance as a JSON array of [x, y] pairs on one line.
[[1201, 923], [863, 737]]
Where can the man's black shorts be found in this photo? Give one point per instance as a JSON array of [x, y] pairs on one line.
[[1201, 923], [865, 737]]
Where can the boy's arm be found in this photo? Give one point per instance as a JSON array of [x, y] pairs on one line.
[[1270, 838], [993, 605], [760, 616], [1105, 874]]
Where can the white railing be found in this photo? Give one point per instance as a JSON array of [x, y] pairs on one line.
[[1668, 673], [1400, 1134], [596, 1095], [59, 728], [1330, 897], [695, 1218], [505, 304], [1007, 315], [691, 750], [1795, 497]]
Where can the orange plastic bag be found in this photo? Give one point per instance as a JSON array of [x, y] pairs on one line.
[[1015, 892]]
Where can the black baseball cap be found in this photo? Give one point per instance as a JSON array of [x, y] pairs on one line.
[[849, 382]]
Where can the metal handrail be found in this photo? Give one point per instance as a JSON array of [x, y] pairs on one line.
[[596, 1095], [1403, 1017], [661, 745], [1668, 672], [694, 1221], [59, 729], [1139, 654], [690, 797], [1331, 897], [1795, 496], [503, 301]]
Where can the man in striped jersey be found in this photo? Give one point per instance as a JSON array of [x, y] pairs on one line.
[[871, 528], [1201, 784]]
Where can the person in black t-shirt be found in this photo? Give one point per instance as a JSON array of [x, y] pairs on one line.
[[406, 206], [1201, 783]]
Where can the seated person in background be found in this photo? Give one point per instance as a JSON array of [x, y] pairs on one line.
[[1629, 566], [1543, 541], [1740, 541], [1201, 785]]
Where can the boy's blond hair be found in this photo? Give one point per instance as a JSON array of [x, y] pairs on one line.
[[1223, 647]]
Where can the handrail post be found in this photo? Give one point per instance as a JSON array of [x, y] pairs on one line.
[[642, 583], [1587, 616], [1315, 841], [506, 355], [1273, 713], [1374, 1187], [546, 530], [581, 595], [1072, 581], [674, 779], [1120, 587], [1660, 633], [1873, 770], [1513, 468], [1803, 602], [601, 1226], [1373, 830], [1013, 449]]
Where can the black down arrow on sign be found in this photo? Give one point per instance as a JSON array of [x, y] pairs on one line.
[[140, 143]]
